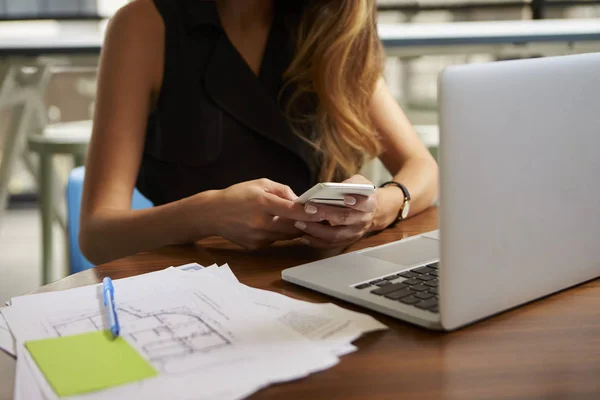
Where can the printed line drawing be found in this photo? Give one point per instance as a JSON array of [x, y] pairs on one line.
[[162, 335], [3, 324]]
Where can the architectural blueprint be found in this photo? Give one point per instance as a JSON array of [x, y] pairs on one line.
[[205, 338], [162, 335], [6, 340]]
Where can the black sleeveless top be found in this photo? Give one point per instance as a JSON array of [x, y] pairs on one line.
[[216, 123]]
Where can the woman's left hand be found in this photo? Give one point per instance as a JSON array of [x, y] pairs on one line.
[[346, 224]]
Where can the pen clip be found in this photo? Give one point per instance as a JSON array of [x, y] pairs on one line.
[[107, 290]]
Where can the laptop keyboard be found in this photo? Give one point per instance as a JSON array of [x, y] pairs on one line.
[[417, 287]]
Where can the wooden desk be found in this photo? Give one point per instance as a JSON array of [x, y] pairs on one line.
[[548, 349]]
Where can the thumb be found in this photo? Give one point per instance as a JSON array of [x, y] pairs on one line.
[[283, 191]]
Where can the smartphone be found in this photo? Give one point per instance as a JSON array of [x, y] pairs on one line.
[[333, 193]]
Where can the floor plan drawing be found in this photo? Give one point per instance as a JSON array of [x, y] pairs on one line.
[[3, 325], [6, 340], [162, 335]]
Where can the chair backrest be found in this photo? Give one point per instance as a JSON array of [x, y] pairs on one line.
[[77, 261]]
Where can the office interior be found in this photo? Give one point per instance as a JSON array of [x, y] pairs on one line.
[[68, 97], [47, 111]]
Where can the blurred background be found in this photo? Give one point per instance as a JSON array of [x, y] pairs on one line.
[[48, 58]]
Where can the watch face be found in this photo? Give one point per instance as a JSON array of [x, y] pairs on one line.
[[405, 209]]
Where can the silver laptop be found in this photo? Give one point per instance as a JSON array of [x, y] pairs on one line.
[[520, 200]]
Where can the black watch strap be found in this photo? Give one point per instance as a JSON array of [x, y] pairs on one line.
[[397, 184]]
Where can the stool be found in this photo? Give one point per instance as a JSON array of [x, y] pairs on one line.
[[70, 138]]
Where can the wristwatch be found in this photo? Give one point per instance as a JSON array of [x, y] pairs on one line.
[[405, 208]]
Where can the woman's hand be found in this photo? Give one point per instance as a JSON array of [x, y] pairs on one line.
[[257, 213], [346, 224]]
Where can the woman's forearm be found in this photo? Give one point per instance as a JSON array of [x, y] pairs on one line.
[[420, 176], [108, 234]]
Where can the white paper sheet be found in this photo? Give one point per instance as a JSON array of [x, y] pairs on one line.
[[247, 336], [26, 385], [324, 323], [228, 344], [7, 342], [190, 267]]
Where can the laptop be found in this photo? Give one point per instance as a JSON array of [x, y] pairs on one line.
[[519, 200]]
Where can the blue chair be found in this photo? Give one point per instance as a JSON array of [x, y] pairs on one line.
[[77, 261]]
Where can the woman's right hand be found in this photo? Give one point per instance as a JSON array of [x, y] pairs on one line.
[[258, 213]]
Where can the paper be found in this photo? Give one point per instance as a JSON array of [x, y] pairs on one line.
[[7, 343], [88, 362], [190, 267], [202, 338], [26, 386], [208, 335], [324, 323]]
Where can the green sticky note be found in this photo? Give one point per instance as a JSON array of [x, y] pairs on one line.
[[88, 362]]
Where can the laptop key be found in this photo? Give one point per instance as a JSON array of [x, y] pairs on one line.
[[424, 295], [419, 288], [426, 304], [432, 283], [384, 283], [399, 294], [412, 281], [362, 286], [434, 309], [391, 277], [425, 277], [389, 288], [408, 274], [376, 281], [434, 265], [409, 300], [423, 270], [433, 290], [434, 273]]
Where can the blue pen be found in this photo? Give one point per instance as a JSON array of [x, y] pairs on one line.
[[109, 301]]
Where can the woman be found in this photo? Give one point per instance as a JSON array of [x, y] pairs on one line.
[[221, 112]]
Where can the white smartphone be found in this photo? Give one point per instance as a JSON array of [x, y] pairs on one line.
[[333, 193]]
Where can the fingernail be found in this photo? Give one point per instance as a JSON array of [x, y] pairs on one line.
[[310, 209], [349, 200], [305, 240], [300, 225]]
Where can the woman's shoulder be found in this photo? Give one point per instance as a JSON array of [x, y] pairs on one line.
[[139, 19], [157, 18], [134, 41]]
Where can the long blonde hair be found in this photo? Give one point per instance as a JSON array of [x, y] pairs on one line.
[[338, 61]]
